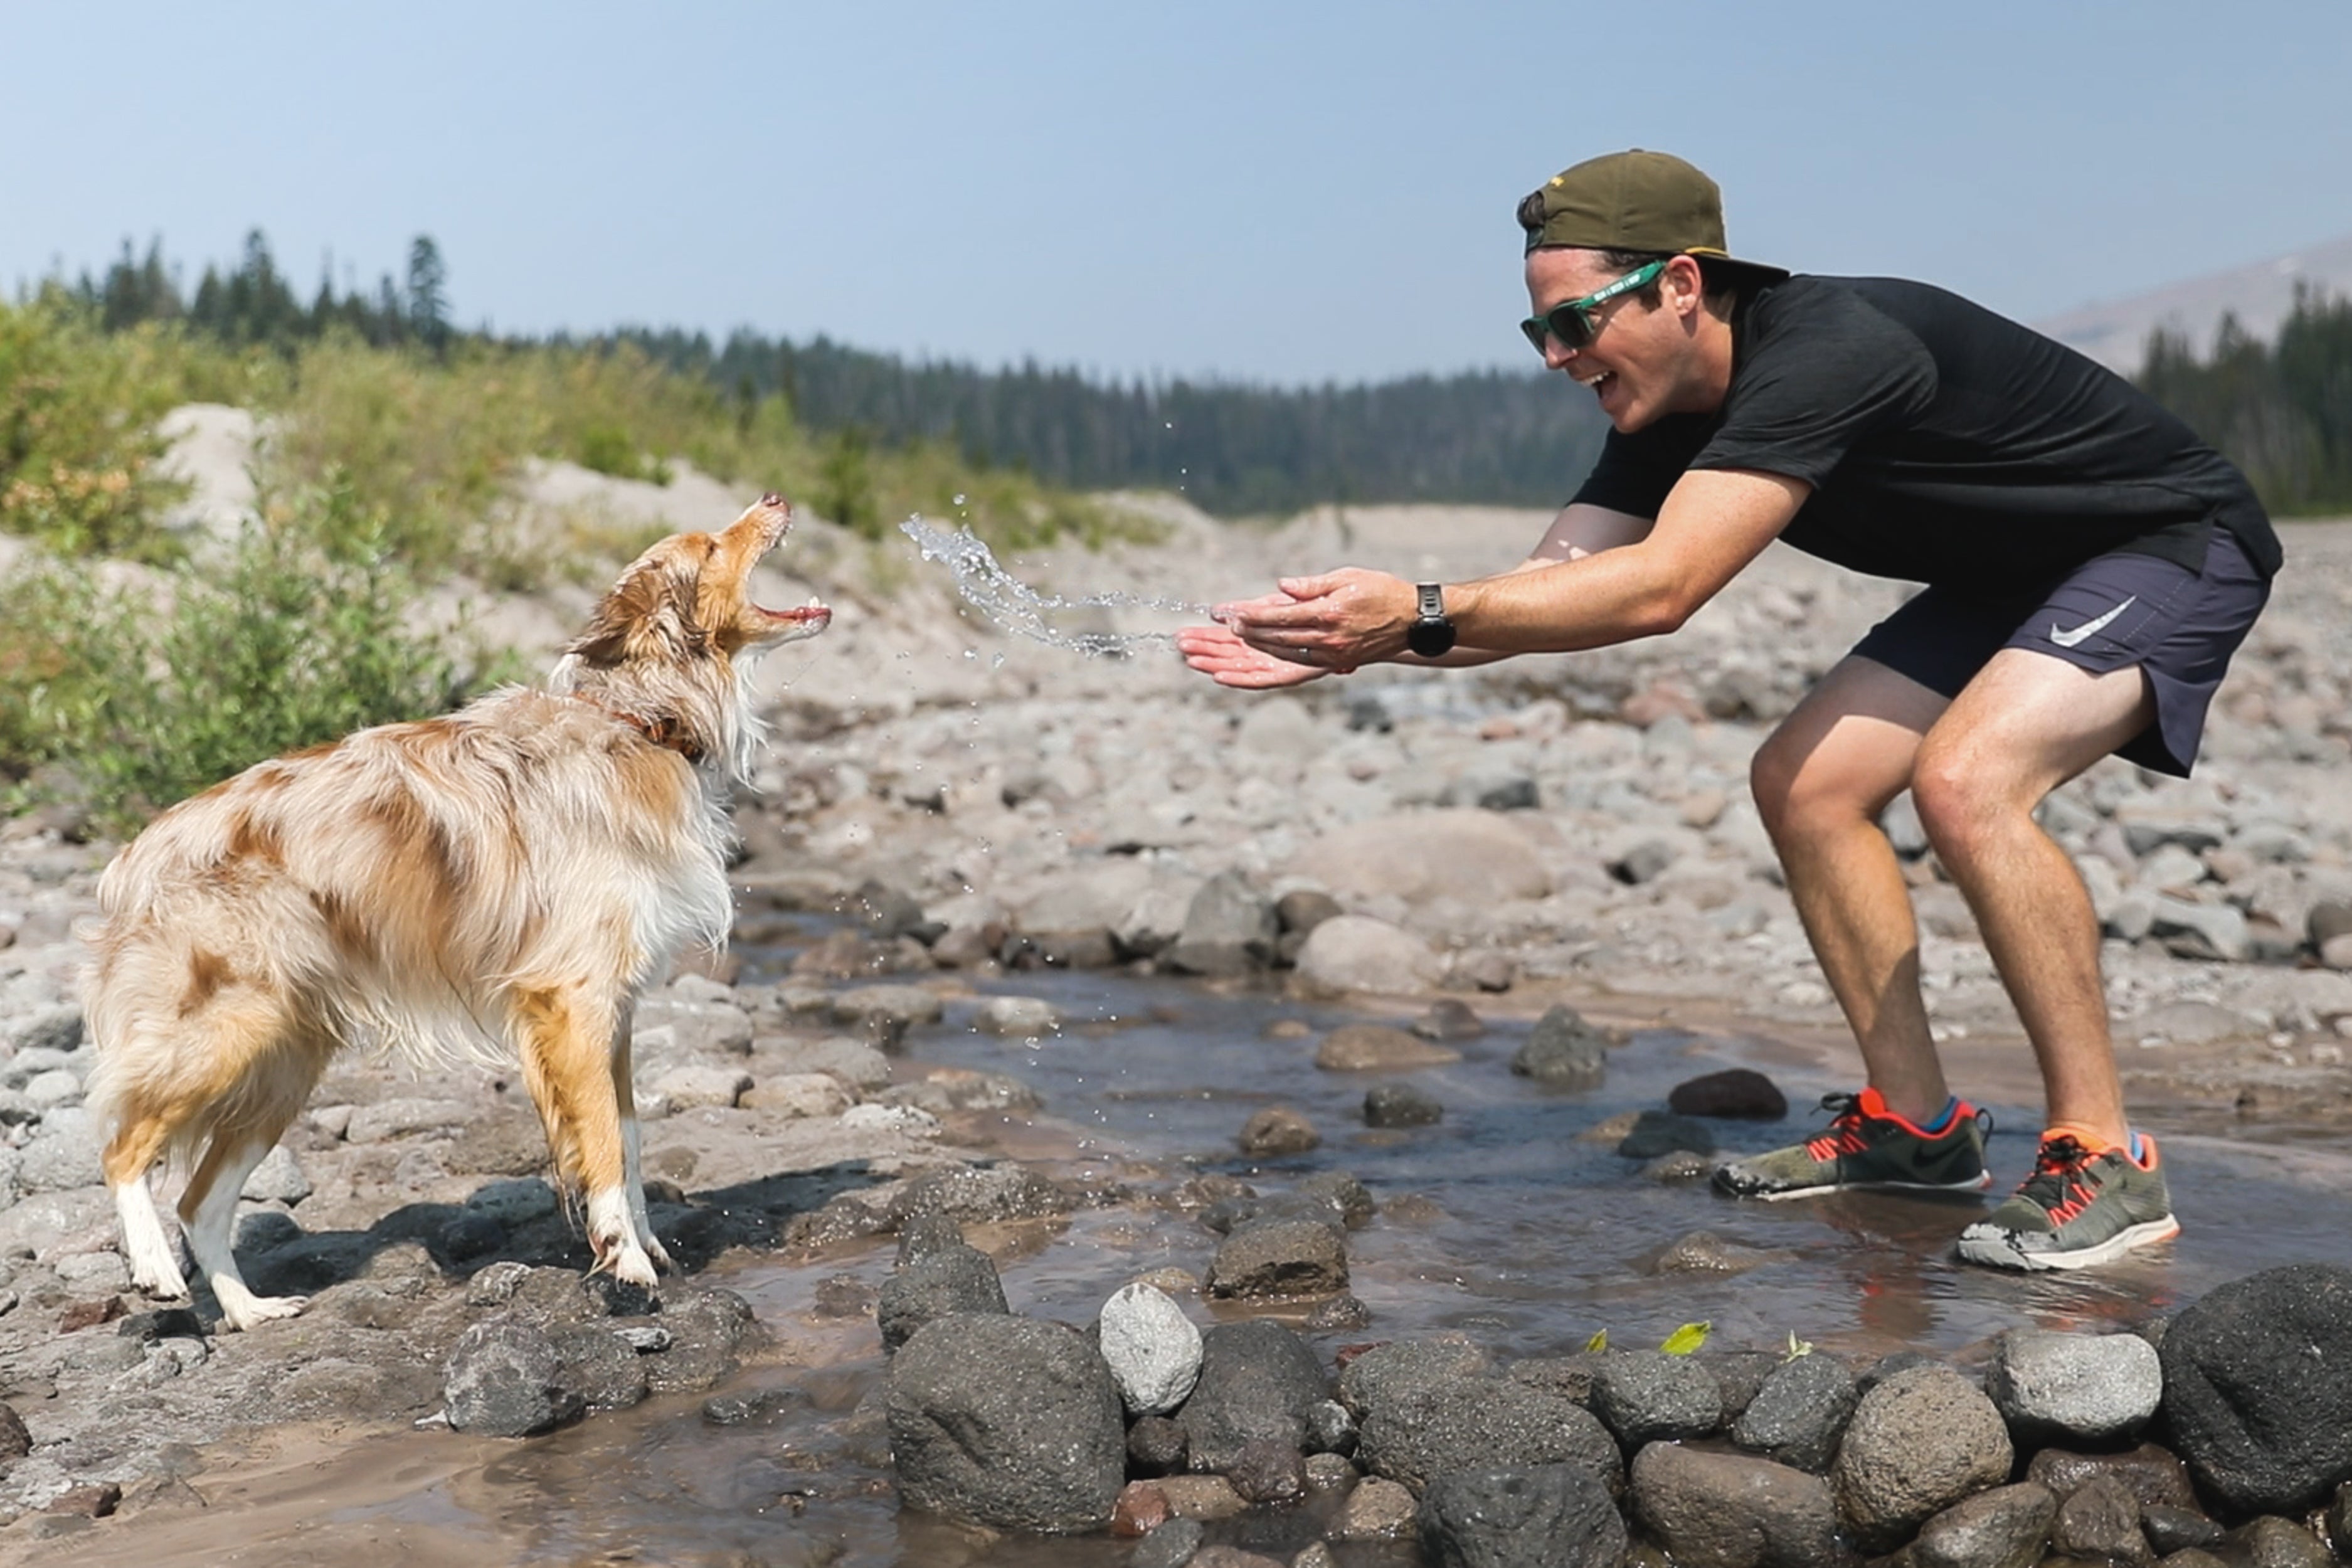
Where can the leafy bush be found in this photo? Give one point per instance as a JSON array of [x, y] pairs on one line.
[[78, 443], [141, 695]]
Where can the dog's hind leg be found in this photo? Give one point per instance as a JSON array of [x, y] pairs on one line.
[[138, 1139], [632, 1167], [563, 1036], [208, 1209]]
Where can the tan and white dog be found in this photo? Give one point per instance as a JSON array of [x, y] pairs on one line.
[[499, 882]]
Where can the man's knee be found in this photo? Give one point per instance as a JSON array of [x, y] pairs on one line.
[[1796, 800], [1960, 800]]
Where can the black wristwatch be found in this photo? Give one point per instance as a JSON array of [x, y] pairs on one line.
[[1433, 633]]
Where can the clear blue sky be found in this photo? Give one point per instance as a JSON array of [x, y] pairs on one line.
[[1267, 190]]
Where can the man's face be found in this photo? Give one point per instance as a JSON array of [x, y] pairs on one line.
[[1644, 360]]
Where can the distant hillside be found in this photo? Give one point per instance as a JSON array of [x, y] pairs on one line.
[[2260, 295]]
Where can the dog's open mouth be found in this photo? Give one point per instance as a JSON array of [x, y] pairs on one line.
[[773, 514]]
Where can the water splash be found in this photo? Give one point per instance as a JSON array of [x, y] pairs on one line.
[[1011, 603]]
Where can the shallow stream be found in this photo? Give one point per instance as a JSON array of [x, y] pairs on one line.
[[1500, 1222]]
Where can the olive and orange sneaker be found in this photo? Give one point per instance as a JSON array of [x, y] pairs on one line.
[[1868, 1147], [2081, 1206]]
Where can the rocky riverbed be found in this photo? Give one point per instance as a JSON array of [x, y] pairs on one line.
[[964, 807]]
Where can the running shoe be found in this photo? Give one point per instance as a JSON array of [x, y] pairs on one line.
[[1868, 1147], [2077, 1209]]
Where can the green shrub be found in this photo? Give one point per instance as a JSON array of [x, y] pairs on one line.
[[78, 443], [144, 695]]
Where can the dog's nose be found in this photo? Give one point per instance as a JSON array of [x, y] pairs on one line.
[[771, 499]]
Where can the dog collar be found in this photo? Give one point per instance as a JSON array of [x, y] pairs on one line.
[[666, 733]]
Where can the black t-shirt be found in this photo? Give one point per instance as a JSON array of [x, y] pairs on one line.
[[1944, 443]]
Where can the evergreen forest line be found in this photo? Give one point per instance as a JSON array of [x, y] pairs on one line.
[[2282, 411]]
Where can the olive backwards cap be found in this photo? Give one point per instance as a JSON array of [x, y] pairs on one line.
[[1632, 201]]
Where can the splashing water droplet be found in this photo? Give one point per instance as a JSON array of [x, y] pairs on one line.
[[1011, 603]]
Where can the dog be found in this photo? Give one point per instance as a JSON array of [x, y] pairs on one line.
[[499, 883]]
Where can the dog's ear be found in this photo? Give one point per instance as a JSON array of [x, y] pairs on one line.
[[649, 614]]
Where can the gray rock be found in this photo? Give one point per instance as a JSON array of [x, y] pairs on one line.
[[54, 1029], [1018, 1017], [1400, 1105], [2258, 1388], [58, 1086], [2202, 931], [1800, 1414], [1649, 1396], [1267, 1471], [924, 1234], [278, 1179], [1230, 929], [1919, 1443], [2101, 1521], [1278, 1259], [1482, 1423], [1730, 1510], [515, 1201], [941, 1283], [1643, 862], [887, 1006], [1330, 1428], [1656, 1133], [1155, 1447], [2274, 1543], [1547, 1516], [1389, 1372], [64, 1154], [599, 1367], [1355, 954], [1449, 1019], [1376, 1509], [697, 1025], [1377, 1048], [699, 1085], [2078, 1388], [389, 1119], [504, 1379], [1276, 1130], [1564, 1051], [1172, 1545], [1153, 1349], [1006, 1421], [980, 1194], [1740, 1093], [1476, 857], [2003, 1527], [1257, 1381], [2170, 1530]]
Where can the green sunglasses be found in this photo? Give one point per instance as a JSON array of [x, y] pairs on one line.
[[1571, 321]]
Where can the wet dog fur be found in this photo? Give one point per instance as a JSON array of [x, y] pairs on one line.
[[499, 883]]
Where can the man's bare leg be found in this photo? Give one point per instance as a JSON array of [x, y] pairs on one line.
[[2026, 725], [1821, 781]]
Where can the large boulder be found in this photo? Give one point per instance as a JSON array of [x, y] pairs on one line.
[[1006, 1421], [1475, 857], [1229, 929], [1481, 1423], [1346, 954], [937, 1284], [1919, 1442], [1730, 1510], [2074, 1387], [2258, 1388], [1545, 1516], [1258, 1381]]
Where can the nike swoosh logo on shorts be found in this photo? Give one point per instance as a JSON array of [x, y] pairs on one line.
[[2068, 639]]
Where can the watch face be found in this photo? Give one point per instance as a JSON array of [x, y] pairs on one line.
[[1430, 637]]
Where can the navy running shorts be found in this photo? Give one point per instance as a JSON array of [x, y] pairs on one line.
[[2113, 611]]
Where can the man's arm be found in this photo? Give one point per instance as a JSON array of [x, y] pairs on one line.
[[1713, 524], [1576, 532]]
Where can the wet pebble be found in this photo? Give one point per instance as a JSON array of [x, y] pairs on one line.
[[1400, 1105], [1276, 1130], [1737, 1093], [1378, 1047]]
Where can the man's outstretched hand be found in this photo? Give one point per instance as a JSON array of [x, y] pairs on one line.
[[1335, 621], [1225, 658]]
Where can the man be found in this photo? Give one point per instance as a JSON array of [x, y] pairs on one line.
[[2091, 566]]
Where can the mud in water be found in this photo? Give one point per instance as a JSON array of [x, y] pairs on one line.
[[1505, 1222]]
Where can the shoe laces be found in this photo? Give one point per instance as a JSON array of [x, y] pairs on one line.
[[2057, 1186], [1845, 1135]]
